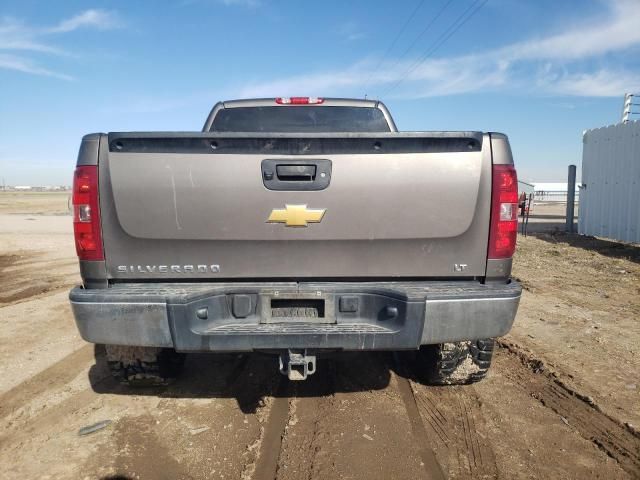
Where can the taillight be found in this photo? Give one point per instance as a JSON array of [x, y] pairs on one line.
[[86, 213], [299, 100], [504, 212]]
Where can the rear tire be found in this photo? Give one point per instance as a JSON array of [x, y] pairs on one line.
[[144, 366], [456, 363]]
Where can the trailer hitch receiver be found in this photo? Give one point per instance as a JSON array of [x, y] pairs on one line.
[[297, 365]]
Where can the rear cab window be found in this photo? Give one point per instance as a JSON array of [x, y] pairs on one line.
[[300, 119]]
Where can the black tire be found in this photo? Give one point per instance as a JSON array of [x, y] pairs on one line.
[[144, 366], [456, 363]]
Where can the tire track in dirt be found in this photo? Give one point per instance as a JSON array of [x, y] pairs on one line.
[[60, 374], [314, 397], [194, 427], [28, 276], [319, 399], [258, 390], [431, 465], [152, 456], [434, 417], [448, 417], [578, 411], [146, 456], [54, 415], [136, 440], [349, 420], [271, 441], [33, 292], [56, 375], [480, 459]]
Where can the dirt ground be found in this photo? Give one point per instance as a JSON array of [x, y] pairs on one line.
[[562, 399], [43, 203]]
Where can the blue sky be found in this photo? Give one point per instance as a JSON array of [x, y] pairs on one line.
[[541, 71]]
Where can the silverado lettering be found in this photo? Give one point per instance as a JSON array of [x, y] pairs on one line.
[[168, 268]]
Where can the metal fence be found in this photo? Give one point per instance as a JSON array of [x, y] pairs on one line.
[[553, 196]]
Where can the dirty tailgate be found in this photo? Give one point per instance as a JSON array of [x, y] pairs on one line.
[[295, 205]]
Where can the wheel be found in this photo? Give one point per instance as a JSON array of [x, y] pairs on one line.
[[456, 363], [143, 366]]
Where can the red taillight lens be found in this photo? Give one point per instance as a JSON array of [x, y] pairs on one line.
[[504, 212], [299, 100], [86, 213]]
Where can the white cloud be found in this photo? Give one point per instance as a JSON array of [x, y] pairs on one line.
[[29, 45], [556, 64], [12, 62], [323, 82], [100, 19], [21, 39], [226, 3], [601, 83], [350, 31], [241, 3], [433, 78], [595, 37], [14, 35]]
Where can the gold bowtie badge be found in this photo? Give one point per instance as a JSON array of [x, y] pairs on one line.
[[296, 215]]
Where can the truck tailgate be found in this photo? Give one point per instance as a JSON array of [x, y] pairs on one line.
[[206, 205]]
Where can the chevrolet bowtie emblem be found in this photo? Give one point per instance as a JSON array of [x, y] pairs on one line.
[[296, 215]]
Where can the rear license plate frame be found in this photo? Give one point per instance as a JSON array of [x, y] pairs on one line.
[[289, 307]]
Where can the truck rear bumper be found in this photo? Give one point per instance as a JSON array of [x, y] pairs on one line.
[[275, 316]]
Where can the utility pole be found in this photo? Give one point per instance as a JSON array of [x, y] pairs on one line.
[[571, 197]]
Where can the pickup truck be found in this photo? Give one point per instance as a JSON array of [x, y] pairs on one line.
[[295, 226]]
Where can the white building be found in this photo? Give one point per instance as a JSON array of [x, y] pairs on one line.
[[610, 194]]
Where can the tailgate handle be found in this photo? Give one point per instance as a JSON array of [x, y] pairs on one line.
[[296, 173]]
